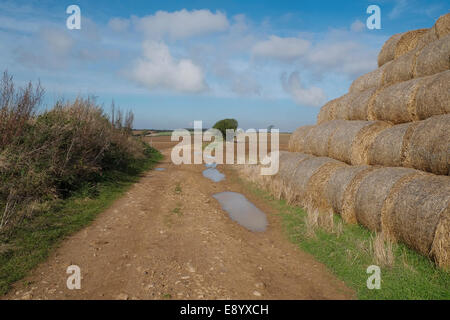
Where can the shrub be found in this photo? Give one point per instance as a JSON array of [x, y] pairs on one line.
[[225, 124], [56, 152]]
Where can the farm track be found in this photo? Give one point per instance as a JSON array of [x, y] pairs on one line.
[[167, 238]]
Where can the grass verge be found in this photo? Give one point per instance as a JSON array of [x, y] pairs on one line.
[[348, 254], [33, 241]]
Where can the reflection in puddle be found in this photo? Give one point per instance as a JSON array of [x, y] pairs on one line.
[[242, 211], [211, 165], [213, 174], [160, 169]]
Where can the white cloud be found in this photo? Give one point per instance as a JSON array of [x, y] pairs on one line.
[[245, 85], [400, 7], [57, 41], [181, 24], [348, 57], [119, 24], [157, 69], [281, 48], [313, 96], [357, 26]]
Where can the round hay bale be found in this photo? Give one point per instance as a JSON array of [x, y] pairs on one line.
[[387, 52], [360, 104], [288, 164], [363, 141], [342, 107], [373, 79], [348, 200], [413, 213], [427, 38], [440, 249], [316, 186], [297, 139], [389, 146], [442, 26], [433, 96], [351, 140], [429, 146], [408, 41], [298, 181], [326, 113], [341, 141], [434, 58], [402, 69], [373, 191], [338, 183], [399, 44], [317, 140], [396, 103]]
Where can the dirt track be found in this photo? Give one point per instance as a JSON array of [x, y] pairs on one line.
[[143, 247]]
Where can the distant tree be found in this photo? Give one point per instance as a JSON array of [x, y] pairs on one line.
[[225, 124], [270, 127]]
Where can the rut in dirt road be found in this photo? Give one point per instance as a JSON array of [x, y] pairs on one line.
[[168, 238]]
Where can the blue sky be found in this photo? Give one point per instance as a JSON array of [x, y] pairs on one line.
[[173, 62]]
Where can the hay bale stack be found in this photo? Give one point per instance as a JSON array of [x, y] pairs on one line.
[[415, 211], [428, 148], [433, 58], [389, 147], [433, 96], [399, 44], [339, 184], [297, 139], [394, 120], [373, 192], [298, 180], [405, 101]]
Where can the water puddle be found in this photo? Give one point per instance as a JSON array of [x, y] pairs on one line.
[[160, 169], [211, 165], [213, 174], [242, 211]]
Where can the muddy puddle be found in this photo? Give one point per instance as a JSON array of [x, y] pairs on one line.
[[160, 169], [242, 211], [212, 173]]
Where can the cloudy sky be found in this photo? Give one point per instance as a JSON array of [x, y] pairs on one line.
[[173, 62]]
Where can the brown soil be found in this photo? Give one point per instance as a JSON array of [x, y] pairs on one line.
[[143, 247]]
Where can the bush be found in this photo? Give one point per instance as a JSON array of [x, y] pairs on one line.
[[50, 155], [225, 124]]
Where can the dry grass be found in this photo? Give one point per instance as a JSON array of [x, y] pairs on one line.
[[382, 250]]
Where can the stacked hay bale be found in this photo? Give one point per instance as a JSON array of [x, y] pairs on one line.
[[380, 155]]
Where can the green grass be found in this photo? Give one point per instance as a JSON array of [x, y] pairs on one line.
[[163, 134], [348, 255], [33, 241]]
